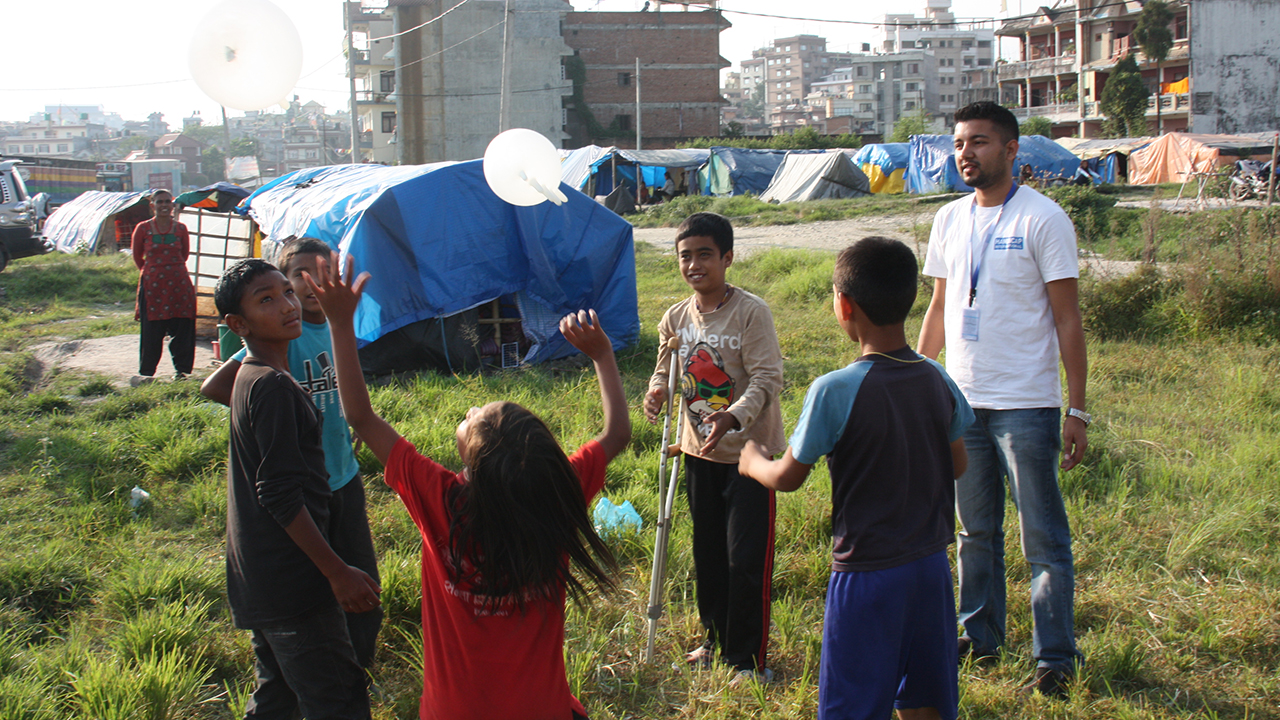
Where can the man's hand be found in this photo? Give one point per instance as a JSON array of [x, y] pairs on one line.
[[582, 330], [355, 590], [1074, 441], [653, 402], [338, 295], [721, 422]]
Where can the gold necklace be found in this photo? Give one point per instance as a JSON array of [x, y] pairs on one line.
[[918, 359]]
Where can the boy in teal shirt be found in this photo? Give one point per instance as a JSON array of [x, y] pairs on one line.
[[311, 365]]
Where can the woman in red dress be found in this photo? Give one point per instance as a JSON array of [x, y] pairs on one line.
[[166, 298]]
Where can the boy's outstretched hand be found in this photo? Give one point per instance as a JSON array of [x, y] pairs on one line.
[[582, 330], [337, 294]]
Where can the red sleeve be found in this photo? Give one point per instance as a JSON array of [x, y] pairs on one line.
[[422, 485], [590, 462], [138, 243]]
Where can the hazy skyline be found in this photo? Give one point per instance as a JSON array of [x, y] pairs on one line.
[[77, 52]]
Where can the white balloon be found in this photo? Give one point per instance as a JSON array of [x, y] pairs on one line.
[[523, 168], [245, 54]]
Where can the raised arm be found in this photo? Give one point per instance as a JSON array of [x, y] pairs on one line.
[[582, 330], [338, 297]]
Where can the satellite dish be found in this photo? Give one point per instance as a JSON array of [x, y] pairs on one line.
[[245, 54], [523, 168]]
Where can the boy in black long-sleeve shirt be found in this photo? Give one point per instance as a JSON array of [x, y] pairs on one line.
[[284, 582]]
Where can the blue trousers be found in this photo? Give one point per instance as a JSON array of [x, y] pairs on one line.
[[1022, 448]]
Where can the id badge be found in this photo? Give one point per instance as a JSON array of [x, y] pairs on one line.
[[969, 325]]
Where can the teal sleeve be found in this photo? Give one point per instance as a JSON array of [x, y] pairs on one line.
[[240, 355]]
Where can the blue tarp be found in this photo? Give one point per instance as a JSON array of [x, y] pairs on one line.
[[933, 165], [888, 158], [437, 241], [736, 171], [654, 165], [577, 166], [75, 227]]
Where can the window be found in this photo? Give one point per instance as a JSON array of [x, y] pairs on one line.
[[788, 83], [913, 68], [387, 81], [788, 61], [862, 71], [13, 149], [63, 147], [864, 107], [43, 149], [912, 87], [788, 73], [806, 64], [951, 62], [770, 63], [388, 122], [984, 44], [1180, 27], [911, 105], [803, 47], [624, 79], [984, 62], [966, 44], [779, 73], [942, 62], [312, 153], [28, 148], [788, 48], [292, 154], [624, 122], [968, 62], [864, 88]]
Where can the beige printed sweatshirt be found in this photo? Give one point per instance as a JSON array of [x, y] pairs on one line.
[[729, 359]]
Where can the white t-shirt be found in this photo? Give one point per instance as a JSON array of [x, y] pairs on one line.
[[1014, 362]]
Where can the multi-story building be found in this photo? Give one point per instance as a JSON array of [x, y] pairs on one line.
[[71, 114], [466, 71], [374, 66], [958, 48], [48, 138], [1067, 52], [784, 73], [178, 146], [312, 138], [876, 91], [679, 59]]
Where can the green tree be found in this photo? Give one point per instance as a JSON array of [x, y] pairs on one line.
[[732, 129], [1156, 40], [754, 108], [244, 147], [1038, 125], [916, 123], [212, 161], [1124, 101]]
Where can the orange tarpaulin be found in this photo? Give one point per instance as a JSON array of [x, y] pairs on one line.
[[1181, 87], [1173, 157]]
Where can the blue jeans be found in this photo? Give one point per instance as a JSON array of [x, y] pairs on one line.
[[1022, 446]]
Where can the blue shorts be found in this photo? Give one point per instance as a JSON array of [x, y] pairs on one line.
[[889, 641]]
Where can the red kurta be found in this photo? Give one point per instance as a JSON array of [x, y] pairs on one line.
[[478, 663], [164, 281]]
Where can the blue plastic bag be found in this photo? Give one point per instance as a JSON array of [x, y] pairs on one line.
[[612, 519]]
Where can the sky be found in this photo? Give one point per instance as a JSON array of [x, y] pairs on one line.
[[134, 62]]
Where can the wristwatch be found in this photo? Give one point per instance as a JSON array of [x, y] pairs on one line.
[[1085, 417]]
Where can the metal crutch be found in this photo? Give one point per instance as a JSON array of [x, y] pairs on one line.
[[666, 499]]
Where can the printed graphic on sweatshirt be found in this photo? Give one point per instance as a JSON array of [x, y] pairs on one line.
[[319, 377], [706, 387]]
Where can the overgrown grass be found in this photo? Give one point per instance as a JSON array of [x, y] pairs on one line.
[[110, 611], [748, 210]]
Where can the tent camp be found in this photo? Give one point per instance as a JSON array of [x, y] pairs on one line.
[[619, 167], [933, 164], [1108, 157], [1174, 156], [575, 165], [885, 165], [96, 221], [737, 171], [810, 176], [441, 248], [1049, 160], [220, 197]]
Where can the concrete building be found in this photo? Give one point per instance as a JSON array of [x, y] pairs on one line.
[[374, 67], [876, 91], [178, 146], [1235, 66], [312, 138], [73, 114], [1067, 52], [47, 138], [786, 70], [450, 71], [680, 63], [956, 47]]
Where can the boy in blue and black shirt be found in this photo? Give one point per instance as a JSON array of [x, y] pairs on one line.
[[890, 425]]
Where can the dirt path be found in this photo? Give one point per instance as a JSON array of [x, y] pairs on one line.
[[835, 235], [115, 357]]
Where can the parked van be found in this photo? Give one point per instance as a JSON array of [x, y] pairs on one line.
[[18, 236]]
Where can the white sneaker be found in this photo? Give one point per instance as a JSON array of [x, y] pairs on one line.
[[763, 677]]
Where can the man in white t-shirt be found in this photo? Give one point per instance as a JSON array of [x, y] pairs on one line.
[[1005, 306]]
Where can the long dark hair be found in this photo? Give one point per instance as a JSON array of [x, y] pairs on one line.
[[520, 513]]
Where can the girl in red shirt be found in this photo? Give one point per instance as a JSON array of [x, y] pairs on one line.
[[501, 539]]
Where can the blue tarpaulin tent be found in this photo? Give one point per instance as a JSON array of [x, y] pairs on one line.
[[653, 166], [577, 165], [736, 171], [437, 242], [885, 165], [933, 164]]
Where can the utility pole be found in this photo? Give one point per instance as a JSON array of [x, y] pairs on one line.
[[637, 103], [504, 101], [351, 81]]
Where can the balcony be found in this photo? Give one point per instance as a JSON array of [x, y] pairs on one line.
[[1050, 66], [369, 97], [361, 57], [1170, 103], [1058, 113], [1121, 46]]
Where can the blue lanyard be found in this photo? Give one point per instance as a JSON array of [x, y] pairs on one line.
[[975, 264]]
